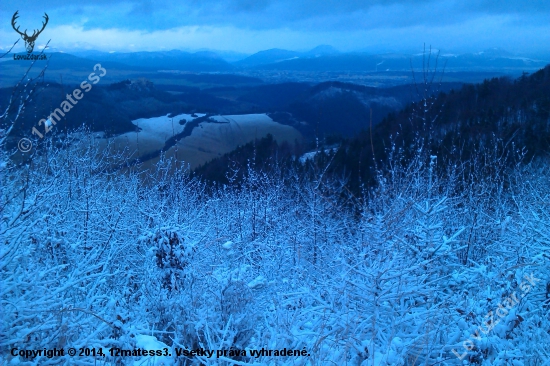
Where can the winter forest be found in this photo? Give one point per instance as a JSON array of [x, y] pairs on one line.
[[439, 257]]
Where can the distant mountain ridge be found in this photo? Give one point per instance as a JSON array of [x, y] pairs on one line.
[[168, 60], [275, 55], [267, 57], [322, 50], [364, 62], [323, 58]]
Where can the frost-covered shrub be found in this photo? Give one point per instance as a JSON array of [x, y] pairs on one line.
[[172, 254], [93, 258]]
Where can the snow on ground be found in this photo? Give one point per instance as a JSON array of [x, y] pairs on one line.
[[211, 140], [154, 132], [151, 343], [163, 127], [207, 141], [310, 155]]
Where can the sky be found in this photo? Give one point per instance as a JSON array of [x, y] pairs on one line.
[[248, 26]]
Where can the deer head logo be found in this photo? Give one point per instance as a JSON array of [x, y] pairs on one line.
[[29, 40]]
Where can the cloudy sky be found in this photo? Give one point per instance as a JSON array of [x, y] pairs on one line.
[[248, 26]]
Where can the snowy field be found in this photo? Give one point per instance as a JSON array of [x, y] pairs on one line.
[[206, 142]]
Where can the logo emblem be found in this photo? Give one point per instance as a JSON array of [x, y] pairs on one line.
[[29, 40]]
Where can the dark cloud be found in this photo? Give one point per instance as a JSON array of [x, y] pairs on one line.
[[261, 14], [307, 16], [142, 8], [152, 15], [503, 6]]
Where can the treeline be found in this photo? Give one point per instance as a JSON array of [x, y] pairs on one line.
[[261, 155]]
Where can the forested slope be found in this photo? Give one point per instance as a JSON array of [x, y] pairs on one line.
[[499, 115]]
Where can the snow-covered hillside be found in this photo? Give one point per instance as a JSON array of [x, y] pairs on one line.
[[206, 141], [425, 270]]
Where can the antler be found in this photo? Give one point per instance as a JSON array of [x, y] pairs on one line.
[[15, 16], [24, 34], [34, 34]]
